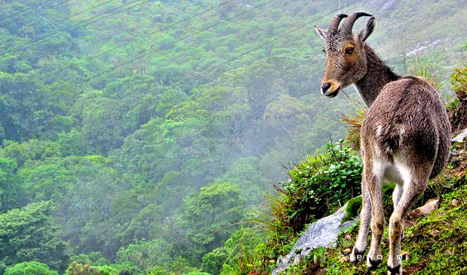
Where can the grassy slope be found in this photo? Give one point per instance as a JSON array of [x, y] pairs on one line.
[[435, 244]]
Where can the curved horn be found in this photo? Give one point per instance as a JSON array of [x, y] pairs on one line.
[[348, 23], [335, 22]]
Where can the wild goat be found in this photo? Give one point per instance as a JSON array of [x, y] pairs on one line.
[[405, 137]]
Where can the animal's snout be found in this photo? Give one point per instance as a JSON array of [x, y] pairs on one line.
[[330, 88], [325, 87]]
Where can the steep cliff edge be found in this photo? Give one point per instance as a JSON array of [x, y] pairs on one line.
[[435, 234]]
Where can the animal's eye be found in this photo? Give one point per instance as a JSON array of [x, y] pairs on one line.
[[324, 51], [349, 50]]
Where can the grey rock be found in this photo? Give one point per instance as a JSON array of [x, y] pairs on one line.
[[460, 137], [322, 233]]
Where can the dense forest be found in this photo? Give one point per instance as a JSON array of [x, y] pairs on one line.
[[145, 137]]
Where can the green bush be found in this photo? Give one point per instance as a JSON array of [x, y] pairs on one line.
[[459, 80], [214, 260], [83, 269], [244, 250], [157, 270], [142, 255], [93, 258], [76, 268], [321, 184], [30, 234], [457, 108], [182, 266], [30, 268]]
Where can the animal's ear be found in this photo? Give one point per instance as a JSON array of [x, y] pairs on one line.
[[321, 32], [368, 29]]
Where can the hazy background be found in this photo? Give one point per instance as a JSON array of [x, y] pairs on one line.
[[118, 112]]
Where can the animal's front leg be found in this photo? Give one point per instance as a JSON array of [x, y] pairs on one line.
[[365, 218], [396, 196]]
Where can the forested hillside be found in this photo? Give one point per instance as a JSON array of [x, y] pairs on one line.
[[137, 136]]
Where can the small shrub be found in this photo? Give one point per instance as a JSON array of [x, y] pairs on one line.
[[459, 82], [30, 268], [354, 123], [458, 108], [157, 270], [214, 260], [319, 185], [93, 258], [182, 266], [82, 269]]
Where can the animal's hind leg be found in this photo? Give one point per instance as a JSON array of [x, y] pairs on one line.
[[375, 189], [365, 218], [396, 196], [413, 188]]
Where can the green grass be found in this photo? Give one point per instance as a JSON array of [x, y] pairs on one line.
[[436, 244]]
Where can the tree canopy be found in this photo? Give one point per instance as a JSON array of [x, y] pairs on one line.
[[138, 137]]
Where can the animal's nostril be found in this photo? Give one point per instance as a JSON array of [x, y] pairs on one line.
[[325, 87]]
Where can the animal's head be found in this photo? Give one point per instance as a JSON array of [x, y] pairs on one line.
[[346, 61]]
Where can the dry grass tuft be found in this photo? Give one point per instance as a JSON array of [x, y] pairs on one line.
[[354, 123]]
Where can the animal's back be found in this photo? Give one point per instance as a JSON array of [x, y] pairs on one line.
[[408, 117]]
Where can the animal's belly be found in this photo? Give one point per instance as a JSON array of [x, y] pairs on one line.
[[392, 174]]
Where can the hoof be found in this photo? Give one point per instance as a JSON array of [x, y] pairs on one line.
[[356, 255], [394, 270], [374, 264]]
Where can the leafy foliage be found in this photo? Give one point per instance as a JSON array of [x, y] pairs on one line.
[[82, 269], [321, 184], [436, 242], [130, 123], [239, 255], [318, 185], [93, 258], [29, 234], [30, 268], [459, 81], [210, 217], [458, 107], [143, 255]]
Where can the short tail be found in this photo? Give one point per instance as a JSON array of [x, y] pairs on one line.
[[391, 139]]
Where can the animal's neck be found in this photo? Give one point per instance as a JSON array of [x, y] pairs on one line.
[[377, 75]]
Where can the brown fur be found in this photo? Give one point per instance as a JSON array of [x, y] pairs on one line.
[[416, 122], [405, 137]]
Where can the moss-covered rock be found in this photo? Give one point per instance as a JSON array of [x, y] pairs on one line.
[[354, 206]]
